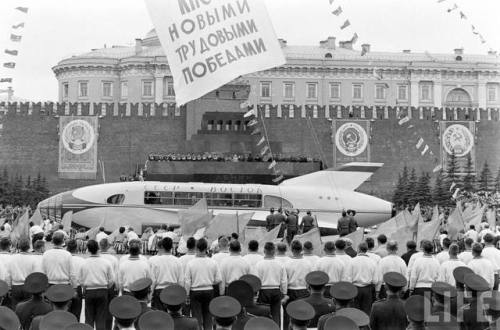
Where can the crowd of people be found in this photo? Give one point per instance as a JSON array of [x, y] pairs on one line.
[[227, 157], [280, 284]]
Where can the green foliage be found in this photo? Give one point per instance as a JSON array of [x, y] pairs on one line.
[[441, 194], [469, 180], [14, 191], [497, 181], [452, 170], [423, 190], [485, 180]]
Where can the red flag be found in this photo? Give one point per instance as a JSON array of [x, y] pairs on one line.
[[20, 228], [15, 37], [428, 230], [66, 221], [17, 26], [22, 9], [9, 65], [226, 224], [194, 218], [346, 24], [36, 218], [11, 52], [455, 223], [5, 80], [312, 236]]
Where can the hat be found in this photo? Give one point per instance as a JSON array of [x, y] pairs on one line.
[[125, 307], [4, 288], [253, 280], [460, 272], [260, 323], [476, 283], [300, 310], [140, 284], [317, 278], [36, 283], [60, 293], [224, 307], [57, 320], [351, 211], [340, 322], [78, 326], [241, 291], [443, 289], [343, 291], [8, 319], [493, 301], [155, 320], [173, 295], [358, 316], [395, 279], [415, 307]]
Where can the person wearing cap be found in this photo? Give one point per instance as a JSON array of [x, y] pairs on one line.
[[57, 263], [201, 276], [60, 296], [361, 319], [309, 254], [447, 267], [166, 270], [77, 262], [96, 277], [125, 309], [364, 275], [491, 253], [274, 281], [21, 265], [307, 222], [343, 224], [8, 319], [57, 319], [133, 267], [300, 314], [35, 284], [493, 310], [261, 323], [424, 271], [390, 263], [331, 265], [224, 309], [270, 220], [155, 320], [415, 311], [340, 322], [316, 281], [482, 266], [140, 290], [78, 326], [343, 294], [243, 292], [173, 297], [390, 313], [444, 298], [233, 267], [104, 247], [253, 256], [256, 308], [473, 317]]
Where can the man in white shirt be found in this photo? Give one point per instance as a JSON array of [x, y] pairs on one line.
[[485, 231], [113, 290], [190, 254], [131, 234], [425, 271], [166, 270], [77, 264], [391, 263], [21, 265], [482, 266], [447, 267], [273, 277], [253, 256], [370, 242], [364, 275], [309, 253], [223, 250], [5, 258], [491, 253], [57, 263], [381, 250], [233, 267], [281, 253], [100, 235], [472, 233], [35, 232], [466, 255], [331, 265], [340, 245], [133, 267], [444, 255]]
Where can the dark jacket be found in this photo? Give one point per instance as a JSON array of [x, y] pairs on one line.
[[184, 322], [321, 306], [343, 226], [27, 310], [406, 256], [388, 314]]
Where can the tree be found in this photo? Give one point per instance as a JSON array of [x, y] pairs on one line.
[[412, 187], [402, 192], [396, 199], [485, 180], [452, 170], [497, 181], [441, 193], [423, 189], [469, 180]]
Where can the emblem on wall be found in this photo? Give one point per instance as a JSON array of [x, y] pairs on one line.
[[351, 139], [457, 139], [78, 136]]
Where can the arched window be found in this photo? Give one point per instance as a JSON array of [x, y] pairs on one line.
[[458, 97]]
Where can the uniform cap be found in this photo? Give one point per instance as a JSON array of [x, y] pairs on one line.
[[476, 283], [140, 284], [60, 293], [493, 302], [125, 307], [8, 319], [340, 322], [57, 320], [155, 320], [343, 291], [260, 323], [351, 211], [317, 278], [78, 326], [36, 283], [460, 272], [224, 307], [358, 316], [444, 289], [253, 280], [395, 279], [241, 291], [173, 295], [415, 307], [300, 310], [4, 288]]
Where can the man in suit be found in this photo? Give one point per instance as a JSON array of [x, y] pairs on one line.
[[173, 297], [60, 297], [390, 313], [35, 284], [316, 282]]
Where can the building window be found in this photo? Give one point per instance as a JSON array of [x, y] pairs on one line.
[[312, 90], [357, 91], [426, 92], [147, 88], [379, 92], [492, 93], [170, 89], [289, 90], [402, 92], [107, 89], [265, 89], [65, 88], [124, 89], [335, 91], [83, 89]]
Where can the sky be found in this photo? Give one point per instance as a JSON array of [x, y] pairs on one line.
[[56, 29]]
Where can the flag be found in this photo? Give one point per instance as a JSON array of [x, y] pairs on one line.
[[92, 232], [437, 168], [426, 148], [15, 37], [492, 218], [462, 15], [23, 9], [483, 41], [354, 38], [473, 216], [356, 237], [36, 218], [194, 218], [9, 65], [455, 223], [403, 120], [249, 113], [20, 228], [453, 8], [253, 122], [262, 140], [312, 236], [66, 221], [474, 30], [455, 194], [401, 236], [11, 52], [272, 165], [278, 179], [416, 217], [392, 225], [264, 150], [226, 224], [337, 11], [17, 26], [453, 184], [112, 236], [5, 80], [428, 230], [252, 234], [255, 131], [441, 1], [346, 24], [376, 74], [270, 236], [419, 143]]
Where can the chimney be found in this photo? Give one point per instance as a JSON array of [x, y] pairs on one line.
[[282, 42], [365, 48], [407, 51], [138, 46], [459, 51], [330, 42], [345, 44]]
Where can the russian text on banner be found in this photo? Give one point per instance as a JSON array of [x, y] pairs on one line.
[[210, 43]]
